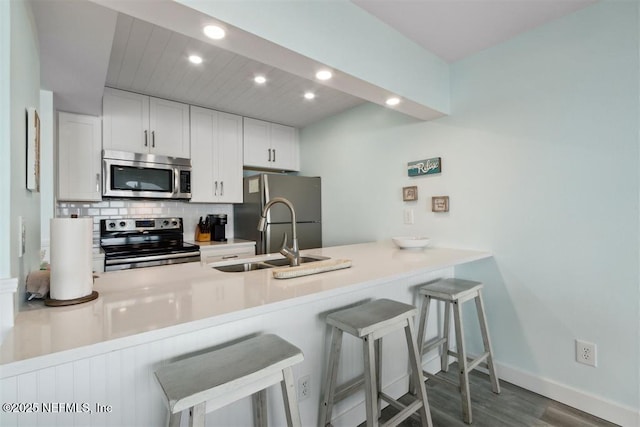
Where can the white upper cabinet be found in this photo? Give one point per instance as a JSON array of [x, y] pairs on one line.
[[216, 143], [257, 143], [125, 117], [143, 124], [285, 146], [79, 157], [169, 125], [270, 146]]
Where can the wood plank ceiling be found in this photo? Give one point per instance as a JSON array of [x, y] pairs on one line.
[[151, 60]]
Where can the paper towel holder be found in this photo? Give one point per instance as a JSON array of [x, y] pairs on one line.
[[71, 278], [62, 302]]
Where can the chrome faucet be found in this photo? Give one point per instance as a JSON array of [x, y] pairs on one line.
[[292, 253]]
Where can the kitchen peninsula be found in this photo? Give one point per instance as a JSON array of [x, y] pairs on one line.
[[106, 351]]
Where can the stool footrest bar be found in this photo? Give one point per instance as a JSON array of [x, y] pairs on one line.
[[403, 414], [348, 388], [399, 406], [431, 344], [477, 361], [472, 363]]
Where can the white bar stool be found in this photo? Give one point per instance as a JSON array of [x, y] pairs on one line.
[[209, 381], [370, 322], [454, 292]]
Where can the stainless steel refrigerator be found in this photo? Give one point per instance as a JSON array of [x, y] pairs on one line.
[[303, 192]]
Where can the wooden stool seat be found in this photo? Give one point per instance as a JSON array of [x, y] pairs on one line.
[[452, 289], [211, 380], [370, 322], [454, 292]]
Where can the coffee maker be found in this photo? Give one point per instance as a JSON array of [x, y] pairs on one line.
[[218, 227]]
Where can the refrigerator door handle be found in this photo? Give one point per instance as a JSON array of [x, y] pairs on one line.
[[266, 240], [266, 196]]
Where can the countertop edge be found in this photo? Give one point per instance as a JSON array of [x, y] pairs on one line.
[[65, 356]]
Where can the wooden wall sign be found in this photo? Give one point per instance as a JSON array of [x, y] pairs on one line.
[[425, 167]]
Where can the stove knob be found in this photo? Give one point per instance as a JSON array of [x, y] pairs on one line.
[[112, 224], [174, 222], [165, 222], [122, 223]]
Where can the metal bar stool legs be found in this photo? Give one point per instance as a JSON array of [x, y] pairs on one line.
[[454, 292], [370, 322]]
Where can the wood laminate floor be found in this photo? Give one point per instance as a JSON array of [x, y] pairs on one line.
[[514, 406]]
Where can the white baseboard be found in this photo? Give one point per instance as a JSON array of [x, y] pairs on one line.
[[594, 405]]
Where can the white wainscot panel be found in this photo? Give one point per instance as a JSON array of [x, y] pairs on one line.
[[124, 380]]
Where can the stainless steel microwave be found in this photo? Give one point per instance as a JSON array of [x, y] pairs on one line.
[[146, 176]]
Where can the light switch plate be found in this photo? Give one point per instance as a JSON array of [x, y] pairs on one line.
[[408, 216]]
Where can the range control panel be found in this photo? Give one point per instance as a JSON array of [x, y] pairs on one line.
[[147, 224]]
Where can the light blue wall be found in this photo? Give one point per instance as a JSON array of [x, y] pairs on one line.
[[47, 166], [5, 135], [540, 160], [341, 35], [24, 93]]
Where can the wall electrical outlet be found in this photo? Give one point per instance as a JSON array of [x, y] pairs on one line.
[[586, 353], [304, 387]]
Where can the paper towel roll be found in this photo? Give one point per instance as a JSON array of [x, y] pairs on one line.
[[71, 258]]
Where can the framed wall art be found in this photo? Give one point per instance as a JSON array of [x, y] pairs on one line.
[[424, 167], [409, 194], [440, 204], [33, 150]]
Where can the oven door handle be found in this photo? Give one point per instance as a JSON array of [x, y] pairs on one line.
[[150, 258]]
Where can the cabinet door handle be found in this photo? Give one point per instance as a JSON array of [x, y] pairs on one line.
[[269, 154], [222, 188], [215, 191], [146, 139], [274, 154], [229, 256], [98, 183], [153, 138]]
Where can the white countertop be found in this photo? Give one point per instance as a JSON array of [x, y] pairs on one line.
[[146, 304]]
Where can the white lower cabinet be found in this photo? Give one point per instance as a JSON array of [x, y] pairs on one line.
[[216, 161], [270, 146], [79, 145], [98, 262]]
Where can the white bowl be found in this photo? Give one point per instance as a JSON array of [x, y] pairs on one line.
[[410, 242]]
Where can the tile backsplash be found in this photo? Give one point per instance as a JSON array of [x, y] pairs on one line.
[[125, 208]]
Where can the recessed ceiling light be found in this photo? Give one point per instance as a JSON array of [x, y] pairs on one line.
[[214, 32], [309, 95], [260, 79], [393, 101], [324, 75], [195, 59]]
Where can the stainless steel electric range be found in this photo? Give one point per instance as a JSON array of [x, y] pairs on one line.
[[135, 243]]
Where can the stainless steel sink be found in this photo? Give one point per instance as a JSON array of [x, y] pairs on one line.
[[260, 265], [283, 262], [246, 266]]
